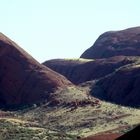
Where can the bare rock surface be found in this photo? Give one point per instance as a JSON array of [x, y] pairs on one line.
[[115, 43], [23, 80]]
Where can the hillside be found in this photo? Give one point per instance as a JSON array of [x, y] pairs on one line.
[[115, 43], [54, 123], [121, 87], [82, 70], [23, 80], [91, 98]]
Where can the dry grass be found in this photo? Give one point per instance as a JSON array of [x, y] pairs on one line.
[[64, 122], [79, 59], [84, 121]]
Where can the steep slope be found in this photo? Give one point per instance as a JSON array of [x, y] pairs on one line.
[[82, 70], [22, 79], [121, 87], [114, 43]]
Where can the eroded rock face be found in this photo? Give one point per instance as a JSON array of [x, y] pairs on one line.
[[121, 87], [115, 43], [82, 70], [23, 80]]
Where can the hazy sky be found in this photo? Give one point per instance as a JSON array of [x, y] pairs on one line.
[[50, 29]]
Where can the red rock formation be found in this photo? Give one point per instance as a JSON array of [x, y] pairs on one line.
[[78, 71], [22, 79], [115, 43], [121, 87]]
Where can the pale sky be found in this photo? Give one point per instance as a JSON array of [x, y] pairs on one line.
[[49, 29]]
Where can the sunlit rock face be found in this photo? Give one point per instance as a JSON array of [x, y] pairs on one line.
[[115, 43], [23, 80]]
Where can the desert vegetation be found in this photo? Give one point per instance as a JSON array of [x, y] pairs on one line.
[[64, 122]]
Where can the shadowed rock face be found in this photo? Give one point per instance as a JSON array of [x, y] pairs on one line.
[[115, 43], [22, 79], [79, 71], [121, 87]]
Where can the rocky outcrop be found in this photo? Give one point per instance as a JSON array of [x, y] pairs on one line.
[[121, 87], [115, 43], [82, 70], [23, 80]]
